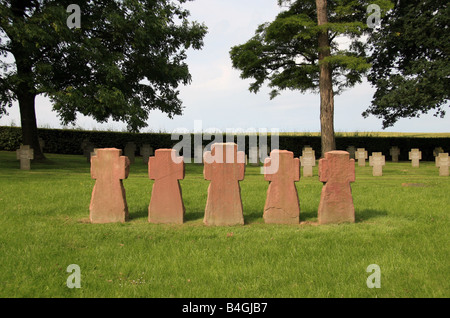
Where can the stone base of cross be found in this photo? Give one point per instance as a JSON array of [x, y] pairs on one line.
[[25, 153]]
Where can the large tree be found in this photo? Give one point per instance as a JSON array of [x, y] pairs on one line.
[[411, 61], [300, 50], [124, 60]]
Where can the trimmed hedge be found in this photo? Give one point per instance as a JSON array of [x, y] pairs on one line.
[[69, 142]]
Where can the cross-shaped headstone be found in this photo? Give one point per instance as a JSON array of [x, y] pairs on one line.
[[88, 149], [166, 204], [25, 153], [108, 202], [282, 205], [394, 152], [361, 156], [437, 151], [130, 149], [224, 166], [198, 154], [41, 144], [351, 150], [443, 163], [146, 152], [415, 155], [253, 156], [308, 161], [377, 161], [336, 171], [94, 152]]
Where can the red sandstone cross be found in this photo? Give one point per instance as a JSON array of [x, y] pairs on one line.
[[108, 202], [166, 204], [224, 166], [282, 205], [336, 171]]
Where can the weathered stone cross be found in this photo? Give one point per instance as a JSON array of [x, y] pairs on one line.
[[415, 155], [166, 204], [224, 166], [282, 205], [308, 161], [336, 171], [25, 154], [443, 163], [377, 161], [146, 152], [394, 152], [130, 149], [108, 202], [361, 156]]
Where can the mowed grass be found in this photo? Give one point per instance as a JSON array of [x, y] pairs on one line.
[[402, 225]]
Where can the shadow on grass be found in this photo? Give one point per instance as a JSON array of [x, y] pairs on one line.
[[253, 217], [308, 216], [194, 216], [142, 213], [257, 216], [364, 215]]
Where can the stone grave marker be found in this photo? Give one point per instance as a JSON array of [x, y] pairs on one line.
[[308, 161], [443, 163], [437, 151], [146, 151], [25, 154], [336, 171], [166, 204], [88, 149], [415, 155], [351, 150], [130, 151], [224, 166], [253, 156], [108, 201], [199, 150], [377, 161], [282, 205], [394, 152], [94, 152], [361, 156], [41, 144]]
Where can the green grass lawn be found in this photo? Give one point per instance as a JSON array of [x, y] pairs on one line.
[[44, 227]]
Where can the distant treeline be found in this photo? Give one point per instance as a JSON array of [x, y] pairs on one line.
[[67, 141]]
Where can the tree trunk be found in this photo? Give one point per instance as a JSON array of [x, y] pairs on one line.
[[26, 95], [28, 123], [325, 83], [25, 90]]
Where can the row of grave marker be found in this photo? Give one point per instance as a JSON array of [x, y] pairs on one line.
[[307, 160], [355, 153], [224, 205]]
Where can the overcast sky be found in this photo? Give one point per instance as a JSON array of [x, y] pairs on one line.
[[220, 98]]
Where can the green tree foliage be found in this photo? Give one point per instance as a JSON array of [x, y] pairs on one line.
[[286, 52], [411, 65], [126, 59]]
